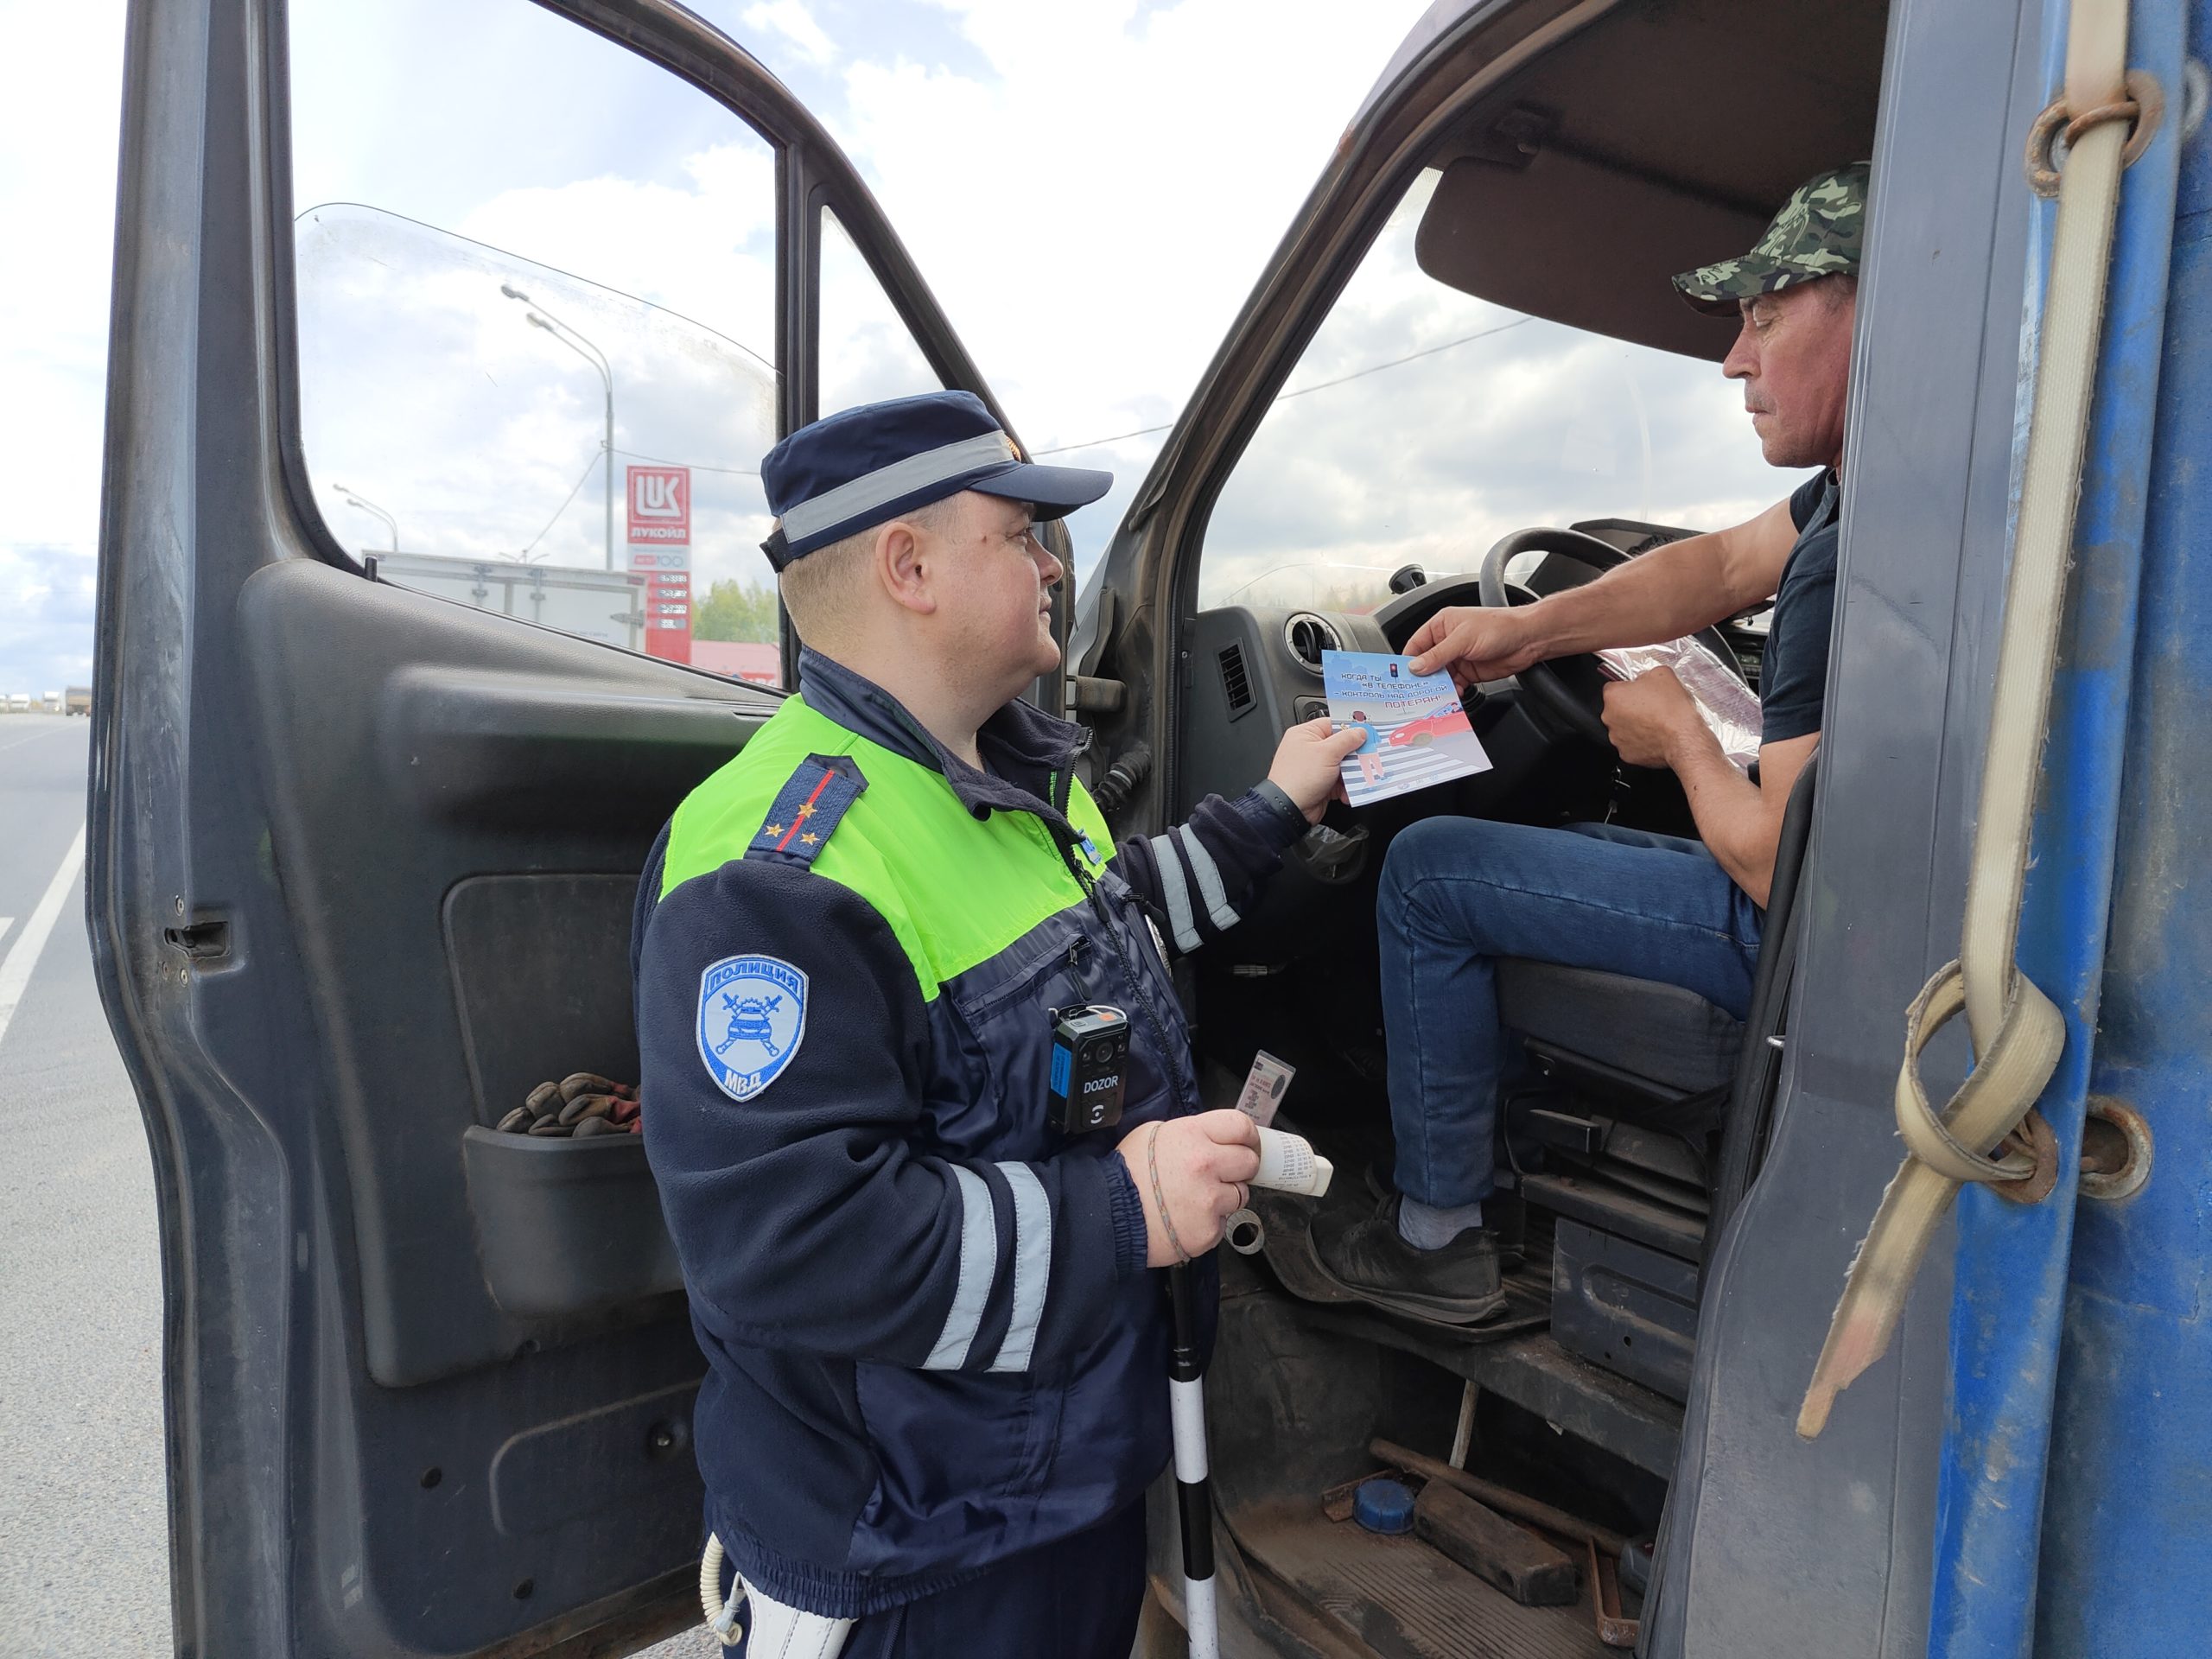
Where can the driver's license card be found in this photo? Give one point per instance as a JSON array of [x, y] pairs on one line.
[[1417, 733], [1264, 1086]]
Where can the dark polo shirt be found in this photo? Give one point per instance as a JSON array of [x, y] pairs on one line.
[[1794, 669]]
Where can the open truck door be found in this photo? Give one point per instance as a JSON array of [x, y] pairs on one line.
[[364, 845]]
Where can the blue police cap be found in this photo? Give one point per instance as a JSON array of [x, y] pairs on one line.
[[862, 466]]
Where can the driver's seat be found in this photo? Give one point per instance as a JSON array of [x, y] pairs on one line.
[[1636, 1044], [1638, 1077]]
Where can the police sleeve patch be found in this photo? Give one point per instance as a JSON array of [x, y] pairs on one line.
[[752, 1020]]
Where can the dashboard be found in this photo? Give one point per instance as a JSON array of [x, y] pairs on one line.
[[1253, 671]]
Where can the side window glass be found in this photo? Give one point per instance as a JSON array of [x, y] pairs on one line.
[[866, 354], [536, 307], [1421, 425]]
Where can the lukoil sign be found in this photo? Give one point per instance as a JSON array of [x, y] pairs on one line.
[[660, 504], [659, 512]]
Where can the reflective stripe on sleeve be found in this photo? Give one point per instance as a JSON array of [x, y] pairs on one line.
[[979, 1264], [1210, 888], [1176, 892], [1032, 1266]]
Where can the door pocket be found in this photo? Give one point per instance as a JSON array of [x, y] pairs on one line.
[[541, 976], [567, 1227]]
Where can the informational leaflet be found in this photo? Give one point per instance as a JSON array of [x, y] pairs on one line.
[[1417, 734], [1729, 708]]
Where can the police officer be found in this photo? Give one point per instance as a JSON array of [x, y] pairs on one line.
[[936, 1390]]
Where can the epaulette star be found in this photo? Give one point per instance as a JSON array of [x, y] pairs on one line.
[[808, 809]]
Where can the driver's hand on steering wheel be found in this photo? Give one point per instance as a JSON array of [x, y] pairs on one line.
[[1475, 643]]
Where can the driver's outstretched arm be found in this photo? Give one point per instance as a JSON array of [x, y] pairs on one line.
[[1665, 594]]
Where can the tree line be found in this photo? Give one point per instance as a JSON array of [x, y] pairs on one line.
[[735, 611]]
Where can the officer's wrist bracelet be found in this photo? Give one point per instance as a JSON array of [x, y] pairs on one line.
[[1159, 1198]]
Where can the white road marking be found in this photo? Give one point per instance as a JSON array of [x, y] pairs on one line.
[[6, 922], [23, 955]]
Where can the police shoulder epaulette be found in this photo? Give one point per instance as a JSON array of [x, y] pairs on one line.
[[807, 808]]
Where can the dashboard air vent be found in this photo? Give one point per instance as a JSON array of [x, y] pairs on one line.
[[1308, 636], [1235, 683]]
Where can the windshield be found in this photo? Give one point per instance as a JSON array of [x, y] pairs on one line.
[[1421, 425]]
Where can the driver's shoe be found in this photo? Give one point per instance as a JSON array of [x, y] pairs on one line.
[[1506, 1211], [1456, 1285]]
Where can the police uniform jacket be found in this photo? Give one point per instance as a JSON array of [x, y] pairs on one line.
[[931, 1340]]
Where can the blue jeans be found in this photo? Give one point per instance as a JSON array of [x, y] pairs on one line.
[[1458, 892]]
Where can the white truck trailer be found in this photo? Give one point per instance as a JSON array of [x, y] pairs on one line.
[[604, 604]]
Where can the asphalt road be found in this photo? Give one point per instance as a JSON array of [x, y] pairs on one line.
[[83, 1546]]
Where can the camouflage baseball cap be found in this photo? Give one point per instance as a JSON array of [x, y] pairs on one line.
[[1817, 233]]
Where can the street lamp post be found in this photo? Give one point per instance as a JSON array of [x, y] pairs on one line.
[[355, 500], [540, 318]]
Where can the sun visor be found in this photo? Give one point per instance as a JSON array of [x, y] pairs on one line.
[[1577, 242]]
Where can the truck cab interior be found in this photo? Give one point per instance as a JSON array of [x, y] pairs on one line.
[[1548, 408], [363, 857]]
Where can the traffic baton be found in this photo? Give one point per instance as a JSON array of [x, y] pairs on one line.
[[1289, 1164], [1187, 1409]]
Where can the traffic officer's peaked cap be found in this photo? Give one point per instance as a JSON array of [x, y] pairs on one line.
[[860, 468], [1820, 231]]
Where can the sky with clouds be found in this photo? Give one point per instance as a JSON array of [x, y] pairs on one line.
[[57, 173], [447, 149]]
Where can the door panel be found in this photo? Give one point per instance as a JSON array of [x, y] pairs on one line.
[[521, 749], [410, 891], [457, 808]]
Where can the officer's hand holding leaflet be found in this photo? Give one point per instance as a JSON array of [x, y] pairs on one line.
[[1206, 1163], [1309, 764]]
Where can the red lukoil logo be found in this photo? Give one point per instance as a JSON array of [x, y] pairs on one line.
[[660, 504]]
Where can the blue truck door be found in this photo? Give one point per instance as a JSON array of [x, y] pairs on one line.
[[2072, 1503], [2027, 1387]]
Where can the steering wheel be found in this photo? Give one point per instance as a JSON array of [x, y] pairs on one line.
[[1571, 690]]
